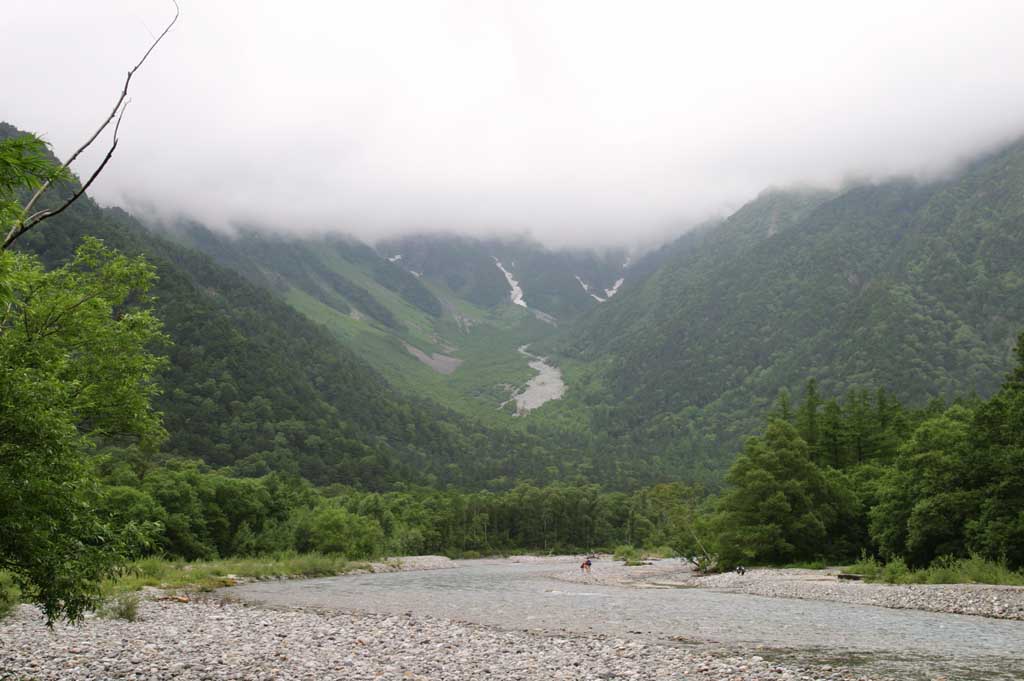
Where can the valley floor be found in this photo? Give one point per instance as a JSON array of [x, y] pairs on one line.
[[212, 639], [217, 636]]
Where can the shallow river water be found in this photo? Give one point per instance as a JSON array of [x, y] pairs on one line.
[[907, 644]]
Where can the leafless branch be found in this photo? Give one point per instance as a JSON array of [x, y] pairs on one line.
[[117, 112]]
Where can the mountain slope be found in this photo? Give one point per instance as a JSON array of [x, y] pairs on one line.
[[438, 315], [256, 386], [914, 288]]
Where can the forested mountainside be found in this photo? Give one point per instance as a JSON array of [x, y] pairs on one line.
[[254, 385], [914, 288], [442, 317]]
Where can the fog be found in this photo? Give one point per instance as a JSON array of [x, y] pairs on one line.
[[581, 123]]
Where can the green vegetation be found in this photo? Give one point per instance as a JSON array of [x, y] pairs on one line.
[[123, 606], [286, 452], [628, 554], [10, 594], [917, 289], [944, 570], [937, 494], [213, 574], [78, 372]]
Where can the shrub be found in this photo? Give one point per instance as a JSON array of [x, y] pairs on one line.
[[660, 552], [896, 572], [867, 566], [124, 606], [334, 530], [627, 553]]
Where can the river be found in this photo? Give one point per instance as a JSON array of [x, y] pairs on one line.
[[906, 644]]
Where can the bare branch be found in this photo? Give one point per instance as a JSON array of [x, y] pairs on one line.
[[118, 111]]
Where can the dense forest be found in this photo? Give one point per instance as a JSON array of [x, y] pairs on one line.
[[828, 480], [915, 288]]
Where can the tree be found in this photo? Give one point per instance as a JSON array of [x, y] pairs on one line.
[[807, 419], [927, 499], [779, 507], [76, 370]]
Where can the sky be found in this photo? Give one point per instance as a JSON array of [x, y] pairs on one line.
[[581, 123]]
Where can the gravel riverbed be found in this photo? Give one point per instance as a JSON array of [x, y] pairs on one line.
[[219, 637], [213, 639], [1000, 602]]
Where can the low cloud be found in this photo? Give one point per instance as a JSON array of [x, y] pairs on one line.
[[580, 123]]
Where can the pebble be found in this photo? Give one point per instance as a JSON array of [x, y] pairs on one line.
[[984, 600], [209, 639]]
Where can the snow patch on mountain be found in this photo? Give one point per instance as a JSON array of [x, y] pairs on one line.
[[395, 258], [586, 287], [615, 288], [517, 293]]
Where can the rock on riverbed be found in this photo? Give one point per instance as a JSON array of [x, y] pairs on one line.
[[1000, 602], [211, 639]]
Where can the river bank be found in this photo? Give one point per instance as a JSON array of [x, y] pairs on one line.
[[213, 639], [1000, 602]]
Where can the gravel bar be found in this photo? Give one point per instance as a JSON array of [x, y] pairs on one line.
[[213, 639], [999, 602]]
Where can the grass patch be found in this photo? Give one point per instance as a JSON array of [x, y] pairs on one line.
[[10, 594], [944, 570], [214, 574], [807, 565]]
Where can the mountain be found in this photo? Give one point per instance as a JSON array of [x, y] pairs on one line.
[[558, 284], [382, 365], [254, 385], [440, 316], [914, 288]]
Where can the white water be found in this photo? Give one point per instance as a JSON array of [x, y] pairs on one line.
[[517, 293]]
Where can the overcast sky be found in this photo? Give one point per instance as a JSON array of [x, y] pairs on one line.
[[581, 122]]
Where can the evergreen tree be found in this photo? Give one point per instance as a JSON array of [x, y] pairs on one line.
[[807, 419]]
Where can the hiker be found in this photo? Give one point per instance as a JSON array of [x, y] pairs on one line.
[[587, 564]]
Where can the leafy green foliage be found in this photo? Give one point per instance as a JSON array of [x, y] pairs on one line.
[[10, 594], [926, 490], [335, 530], [77, 370], [779, 507], [944, 570], [25, 165]]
